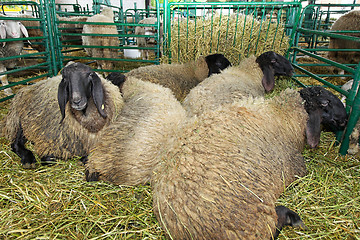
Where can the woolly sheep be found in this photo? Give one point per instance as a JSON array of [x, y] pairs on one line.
[[150, 31], [84, 102], [106, 16], [129, 148], [252, 77], [180, 78], [10, 29], [73, 27], [222, 176], [347, 22]]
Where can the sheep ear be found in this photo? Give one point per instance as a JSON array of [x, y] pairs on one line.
[[98, 94], [23, 30], [268, 80], [63, 97], [2, 31], [313, 128]]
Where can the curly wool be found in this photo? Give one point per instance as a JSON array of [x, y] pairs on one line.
[[222, 177], [180, 78], [232, 84], [35, 108], [129, 149]]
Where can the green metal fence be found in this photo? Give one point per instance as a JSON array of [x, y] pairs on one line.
[[311, 44], [237, 29], [36, 63]]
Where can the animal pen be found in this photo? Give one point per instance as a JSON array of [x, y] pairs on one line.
[[56, 203]]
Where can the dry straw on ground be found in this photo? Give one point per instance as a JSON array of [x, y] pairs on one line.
[[236, 36]]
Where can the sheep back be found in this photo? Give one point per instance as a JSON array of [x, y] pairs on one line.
[[101, 40], [222, 178], [35, 108], [180, 78], [129, 148], [231, 84], [347, 22]]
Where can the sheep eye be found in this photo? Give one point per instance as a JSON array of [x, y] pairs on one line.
[[273, 60]]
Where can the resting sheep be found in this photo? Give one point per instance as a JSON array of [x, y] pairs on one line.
[[10, 29], [252, 77], [149, 31], [180, 78], [347, 22], [222, 176], [87, 104], [129, 148], [105, 42]]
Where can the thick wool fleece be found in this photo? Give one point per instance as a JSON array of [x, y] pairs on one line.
[[222, 177], [35, 108]]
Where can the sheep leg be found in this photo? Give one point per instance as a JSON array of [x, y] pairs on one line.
[[91, 177], [286, 217], [4, 81], [18, 146], [48, 160]]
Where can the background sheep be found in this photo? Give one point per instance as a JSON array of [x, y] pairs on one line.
[[34, 30], [106, 16], [10, 29], [74, 27], [347, 22], [87, 104], [180, 78], [129, 148], [252, 77], [148, 41], [221, 178]]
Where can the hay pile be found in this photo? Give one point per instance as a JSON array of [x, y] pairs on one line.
[[236, 36]]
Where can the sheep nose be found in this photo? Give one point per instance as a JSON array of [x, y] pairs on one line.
[[76, 98]]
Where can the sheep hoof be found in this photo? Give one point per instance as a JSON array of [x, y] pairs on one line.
[[91, 177], [29, 165]]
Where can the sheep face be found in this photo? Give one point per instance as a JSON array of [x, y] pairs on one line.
[[12, 29], [323, 108], [216, 63], [273, 64], [78, 85]]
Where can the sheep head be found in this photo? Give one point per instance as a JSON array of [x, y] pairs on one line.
[[79, 83], [216, 63], [273, 64], [12, 29], [325, 109]]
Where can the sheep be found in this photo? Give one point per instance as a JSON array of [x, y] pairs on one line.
[[84, 102], [106, 16], [221, 177], [129, 148], [180, 78], [74, 27], [252, 77], [347, 22], [149, 31], [10, 29]]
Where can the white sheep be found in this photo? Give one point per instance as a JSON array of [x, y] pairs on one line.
[[105, 42], [180, 78], [73, 27], [10, 29], [148, 41], [252, 77], [129, 148], [347, 22], [221, 177], [62, 116]]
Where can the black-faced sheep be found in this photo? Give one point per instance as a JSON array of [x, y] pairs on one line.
[[252, 77], [180, 78], [62, 116], [222, 176], [105, 42], [10, 29], [347, 22], [129, 148], [149, 31]]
